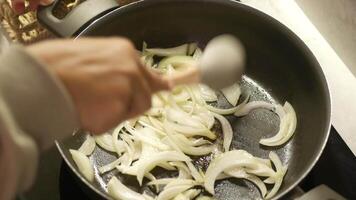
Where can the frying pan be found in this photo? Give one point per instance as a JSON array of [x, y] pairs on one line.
[[279, 68]]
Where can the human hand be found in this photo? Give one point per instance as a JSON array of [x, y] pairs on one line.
[[19, 5], [105, 78]]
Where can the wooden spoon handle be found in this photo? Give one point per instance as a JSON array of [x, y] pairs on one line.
[[191, 75]]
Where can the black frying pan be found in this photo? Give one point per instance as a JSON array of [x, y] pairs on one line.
[[280, 67]]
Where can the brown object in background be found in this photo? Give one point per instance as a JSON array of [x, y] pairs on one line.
[[25, 29]]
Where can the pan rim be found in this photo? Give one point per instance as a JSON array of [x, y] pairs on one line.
[[308, 55]]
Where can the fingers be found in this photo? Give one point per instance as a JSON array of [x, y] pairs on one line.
[[19, 5], [156, 82], [141, 92]]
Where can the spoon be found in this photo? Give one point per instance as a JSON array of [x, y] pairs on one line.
[[222, 64]]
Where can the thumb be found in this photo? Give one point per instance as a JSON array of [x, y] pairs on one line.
[[18, 6]]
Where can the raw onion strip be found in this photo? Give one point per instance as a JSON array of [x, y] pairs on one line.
[[227, 131], [228, 111], [288, 123], [88, 146], [119, 191], [232, 93], [83, 164], [247, 108]]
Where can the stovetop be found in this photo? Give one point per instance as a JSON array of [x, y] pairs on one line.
[[336, 168]]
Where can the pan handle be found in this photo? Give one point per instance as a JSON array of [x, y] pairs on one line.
[[75, 20]]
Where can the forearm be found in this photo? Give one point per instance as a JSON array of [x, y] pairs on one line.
[[37, 100], [35, 109]]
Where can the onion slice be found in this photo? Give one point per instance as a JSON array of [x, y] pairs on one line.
[[174, 188], [232, 93], [288, 123], [110, 166], [183, 144], [185, 49], [204, 198], [247, 108], [105, 141], [88, 146], [83, 164], [227, 131], [149, 163], [225, 161], [176, 62], [120, 192], [252, 178], [228, 111], [281, 171], [207, 93]]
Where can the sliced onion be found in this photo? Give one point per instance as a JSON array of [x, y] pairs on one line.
[[185, 49], [119, 145], [184, 145], [156, 125], [83, 164], [148, 136], [281, 171], [205, 116], [226, 161], [176, 62], [192, 193], [207, 93], [270, 180], [177, 182], [227, 131], [130, 148], [147, 60], [184, 172], [188, 195], [181, 196], [204, 198], [110, 166], [194, 172], [254, 179], [200, 113], [88, 146], [252, 106], [262, 171], [197, 54], [162, 181], [119, 191], [151, 177], [227, 111], [288, 123], [232, 93], [189, 131], [180, 117], [151, 162], [171, 192], [199, 142], [147, 197], [105, 141]]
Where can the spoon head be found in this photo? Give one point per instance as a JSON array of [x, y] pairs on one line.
[[223, 62]]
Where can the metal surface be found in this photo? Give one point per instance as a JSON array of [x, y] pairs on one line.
[[75, 20], [284, 68]]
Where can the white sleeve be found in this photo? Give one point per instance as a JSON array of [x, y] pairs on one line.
[[35, 109]]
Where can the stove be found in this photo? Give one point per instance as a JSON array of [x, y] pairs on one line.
[[336, 168]]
